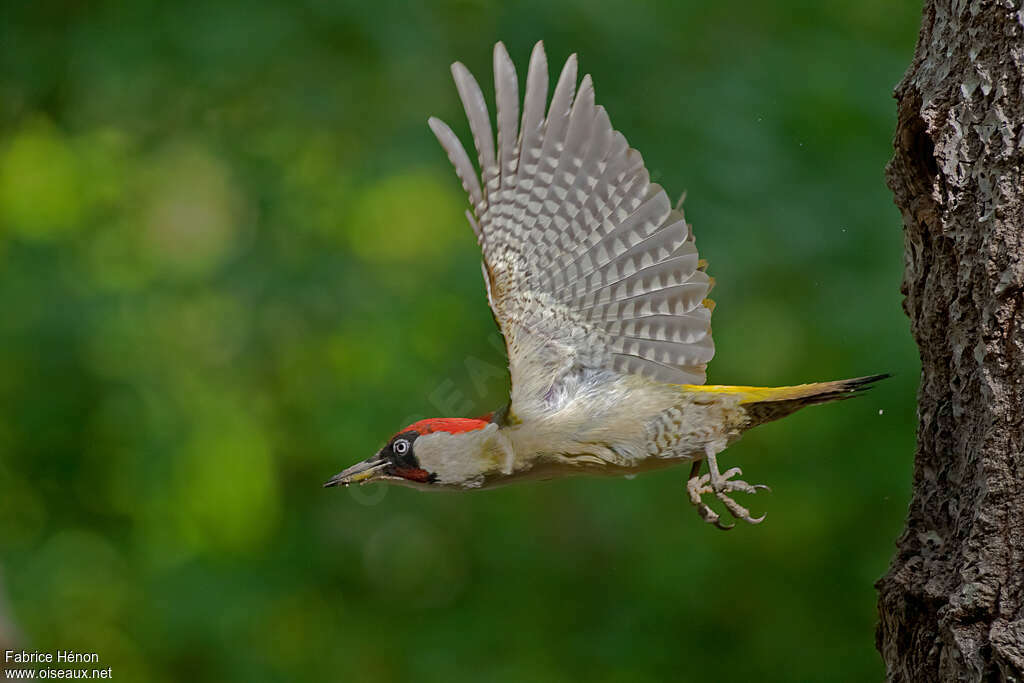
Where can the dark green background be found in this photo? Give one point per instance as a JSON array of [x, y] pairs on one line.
[[233, 261]]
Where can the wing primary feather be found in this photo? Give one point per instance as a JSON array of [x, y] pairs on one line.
[[587, 146], [539, 201], [558, 114], [557, 231], [570, 223], [532, 131], [524, 208], [547, 192], [460, 160], [563, 206], [506, 91], [479, 122]]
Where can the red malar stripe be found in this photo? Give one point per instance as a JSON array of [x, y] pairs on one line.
[[452, 425], [412, 474]]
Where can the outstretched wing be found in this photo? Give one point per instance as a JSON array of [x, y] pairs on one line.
[[588, 268]]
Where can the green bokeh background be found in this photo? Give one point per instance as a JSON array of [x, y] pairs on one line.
[[233, 261]]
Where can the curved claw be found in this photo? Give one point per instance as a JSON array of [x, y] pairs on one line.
[[721, 486]]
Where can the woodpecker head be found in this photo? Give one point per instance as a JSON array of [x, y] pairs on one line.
[[437, 452]]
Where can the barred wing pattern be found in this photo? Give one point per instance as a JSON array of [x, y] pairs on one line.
[[588, 267]]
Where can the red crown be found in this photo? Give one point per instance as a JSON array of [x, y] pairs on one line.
[[452, 425]]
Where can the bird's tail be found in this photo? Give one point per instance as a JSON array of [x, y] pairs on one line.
[[764, 404]]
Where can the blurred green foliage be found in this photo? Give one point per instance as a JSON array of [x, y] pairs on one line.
[[233, 261]]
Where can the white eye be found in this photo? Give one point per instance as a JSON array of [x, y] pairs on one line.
[[401, 447]]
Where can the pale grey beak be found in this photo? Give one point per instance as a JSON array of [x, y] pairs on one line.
[[360, 473]]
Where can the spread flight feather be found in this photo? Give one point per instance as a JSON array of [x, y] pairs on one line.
[[588, 268]]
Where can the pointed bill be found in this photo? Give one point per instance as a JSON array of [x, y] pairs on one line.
[[360, 473]]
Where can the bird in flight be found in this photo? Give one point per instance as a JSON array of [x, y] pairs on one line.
[[595, 282]]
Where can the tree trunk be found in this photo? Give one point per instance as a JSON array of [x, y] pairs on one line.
[[951, 605]]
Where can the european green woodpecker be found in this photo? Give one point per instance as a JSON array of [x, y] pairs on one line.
[[595, 282]]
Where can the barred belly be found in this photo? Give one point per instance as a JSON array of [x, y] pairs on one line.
[[683, 431]]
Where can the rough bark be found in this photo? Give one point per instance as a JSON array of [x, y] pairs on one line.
[[951, 605]]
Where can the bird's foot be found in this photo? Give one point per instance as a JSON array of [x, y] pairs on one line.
[[721, 485]]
